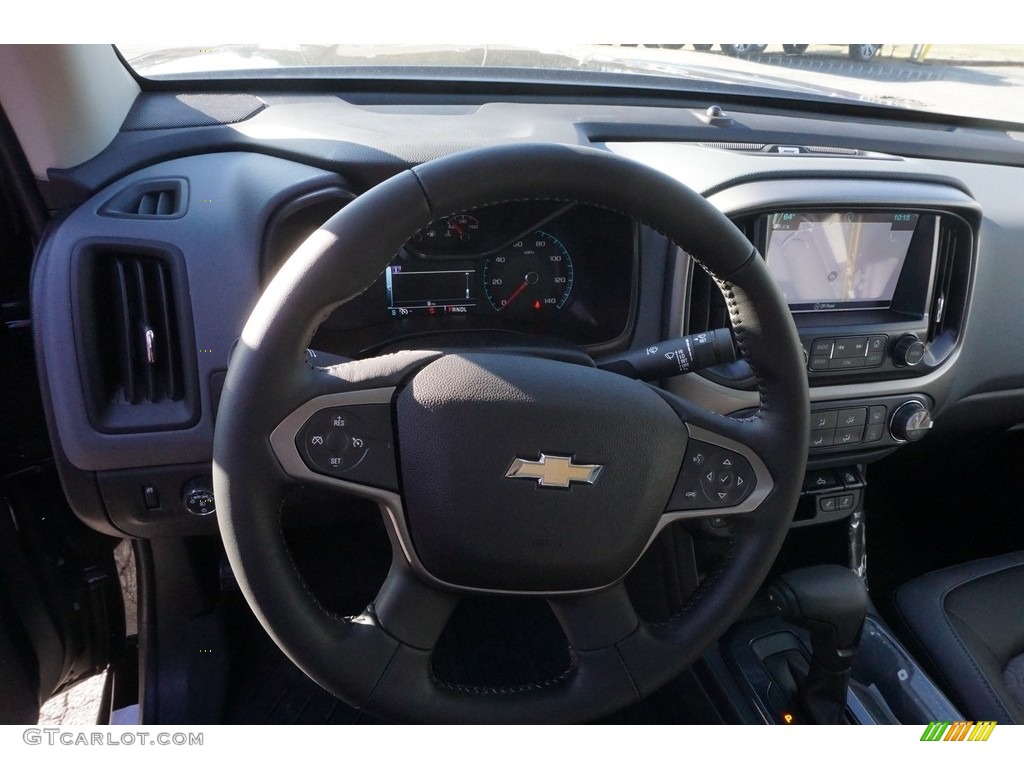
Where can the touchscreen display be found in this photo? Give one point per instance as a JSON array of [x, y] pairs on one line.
[[834, 261]]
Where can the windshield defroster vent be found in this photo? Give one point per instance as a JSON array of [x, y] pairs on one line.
[[134, 338]]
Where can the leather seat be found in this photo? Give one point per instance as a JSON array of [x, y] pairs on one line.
[[968, 624]]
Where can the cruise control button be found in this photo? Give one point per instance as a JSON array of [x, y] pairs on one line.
[[353, 443]]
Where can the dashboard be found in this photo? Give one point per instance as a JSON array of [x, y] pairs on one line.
[[897, 248]]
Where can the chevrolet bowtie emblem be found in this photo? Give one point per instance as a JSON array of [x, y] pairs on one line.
[[554, 471]]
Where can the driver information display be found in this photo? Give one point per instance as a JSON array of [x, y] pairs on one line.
[[431, 291], [833, 261]]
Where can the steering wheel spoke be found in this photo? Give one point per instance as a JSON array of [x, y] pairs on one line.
[[411, 610], [596, 620]]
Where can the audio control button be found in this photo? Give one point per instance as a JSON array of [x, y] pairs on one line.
[[822, 347]]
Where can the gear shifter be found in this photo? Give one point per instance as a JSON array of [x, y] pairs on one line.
[[829, 601]]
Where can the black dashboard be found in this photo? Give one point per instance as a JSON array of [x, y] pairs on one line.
[[178, 230]]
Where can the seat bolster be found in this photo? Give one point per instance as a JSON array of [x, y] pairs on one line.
[[967, 624]]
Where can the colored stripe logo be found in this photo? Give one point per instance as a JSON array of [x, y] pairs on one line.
[[958, 731]]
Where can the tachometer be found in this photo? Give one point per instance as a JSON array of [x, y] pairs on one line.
[[531, 277]]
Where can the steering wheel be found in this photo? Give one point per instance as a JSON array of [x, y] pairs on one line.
[[503, 474]]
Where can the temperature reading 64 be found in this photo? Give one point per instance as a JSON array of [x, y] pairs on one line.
[[531, 276]]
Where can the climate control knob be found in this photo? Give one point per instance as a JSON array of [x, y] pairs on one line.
[[909, 351], [910, 421]]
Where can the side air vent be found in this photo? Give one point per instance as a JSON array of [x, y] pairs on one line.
[[296, 220], [134, 338], [950, 286], [155, 199]]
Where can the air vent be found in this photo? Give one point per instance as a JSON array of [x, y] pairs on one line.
[[154, 199], [133, 336], [733, 146], [707, 310], [161, 202], [949, 286], [296, 220]]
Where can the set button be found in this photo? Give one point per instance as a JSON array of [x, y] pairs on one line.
[[352, 443]]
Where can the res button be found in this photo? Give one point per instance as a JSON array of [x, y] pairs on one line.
[[352, 443]]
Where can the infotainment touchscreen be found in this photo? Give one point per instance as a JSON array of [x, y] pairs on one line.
[[825, 261]]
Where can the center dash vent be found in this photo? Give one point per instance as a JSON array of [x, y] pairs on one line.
[[135, 339], [949, 286], [706, 309], [154, 199]]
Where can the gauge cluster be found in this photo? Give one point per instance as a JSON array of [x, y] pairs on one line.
[[535, 267]]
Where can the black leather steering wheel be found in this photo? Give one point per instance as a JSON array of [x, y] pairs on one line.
[[460, 519]]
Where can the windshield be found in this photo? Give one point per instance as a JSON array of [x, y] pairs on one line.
[[970, 80]]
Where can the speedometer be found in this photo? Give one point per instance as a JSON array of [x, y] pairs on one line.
[[533, 276]]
